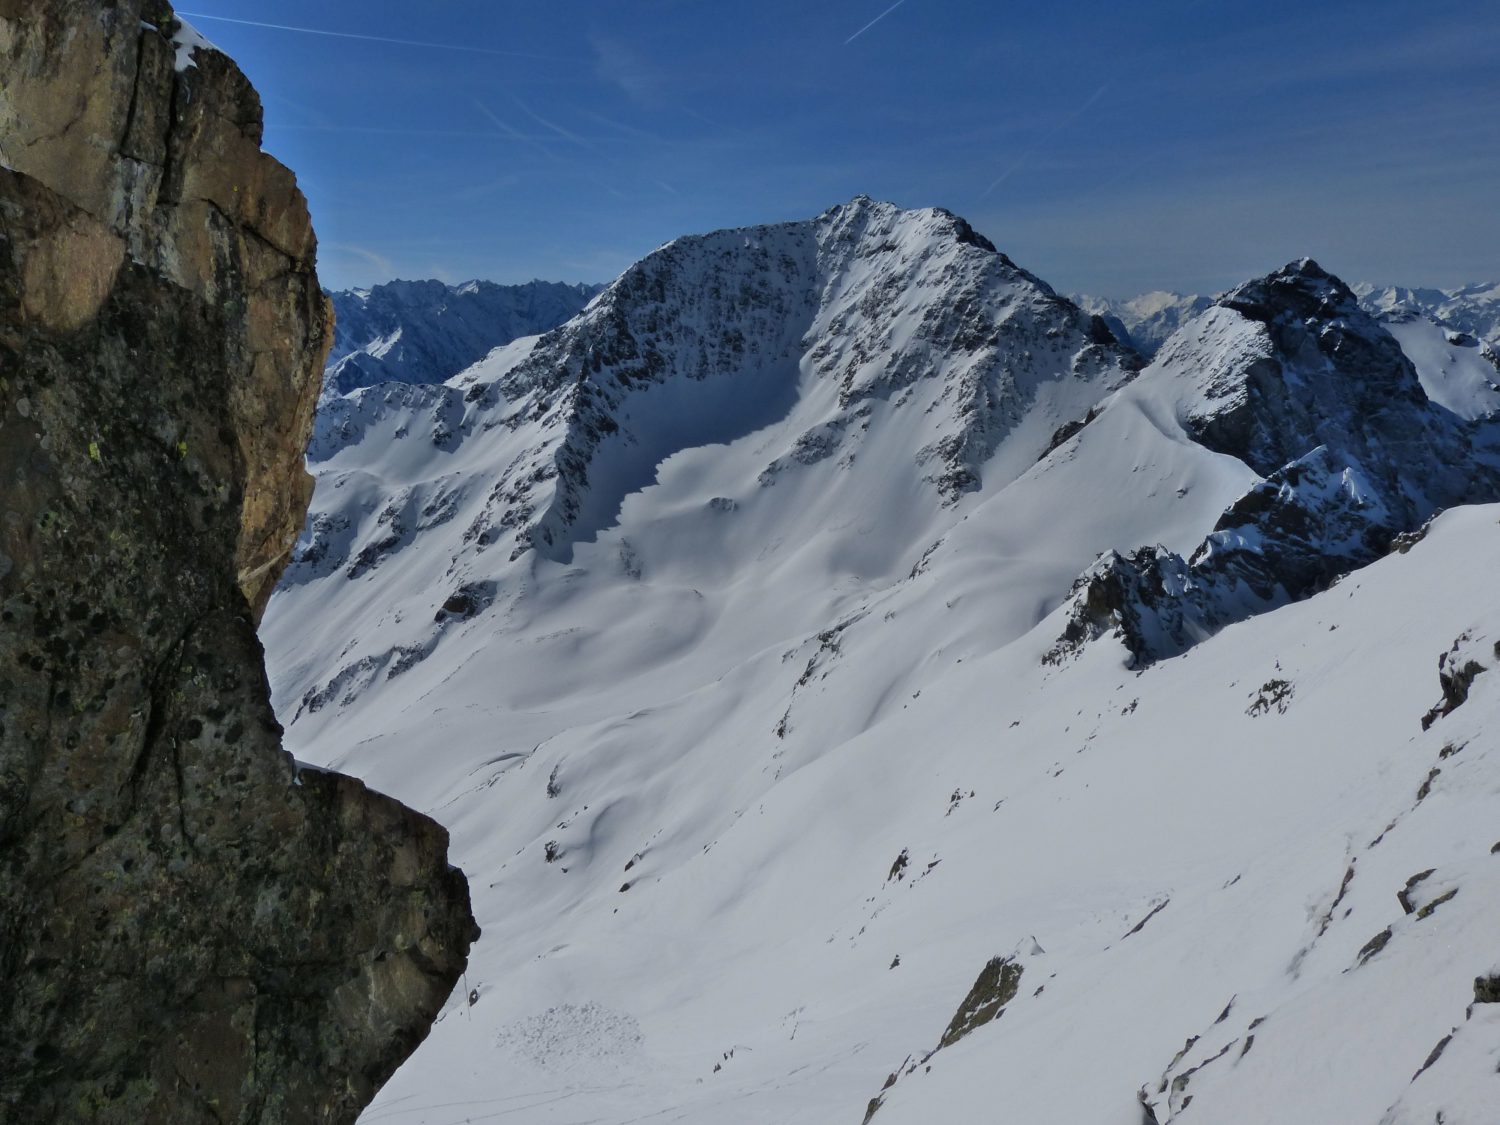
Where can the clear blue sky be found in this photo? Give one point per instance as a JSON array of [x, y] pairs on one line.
[[1109, 146]]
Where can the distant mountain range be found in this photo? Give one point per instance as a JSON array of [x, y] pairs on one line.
[[860, 682], [1470, 309], [425, 331], [428, 331], [1147, 320]]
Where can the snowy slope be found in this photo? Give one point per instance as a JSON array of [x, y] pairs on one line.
[[1459, 370], [1472, 310], [714, 624], [1289, 375], [426, 331], [1267, 796]]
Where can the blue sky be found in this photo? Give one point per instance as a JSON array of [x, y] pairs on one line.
[[1111, 147]]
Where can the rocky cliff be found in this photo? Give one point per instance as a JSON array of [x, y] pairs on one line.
[[191, 928], [1289, 375]]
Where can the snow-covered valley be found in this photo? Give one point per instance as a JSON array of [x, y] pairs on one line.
[[831, 644]]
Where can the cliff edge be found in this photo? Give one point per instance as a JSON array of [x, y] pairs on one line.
[[191, 929]]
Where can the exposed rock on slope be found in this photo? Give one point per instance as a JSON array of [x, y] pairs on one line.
[[726, 714], [426, 331], [189, 929], [995, 987], [907, 308], [1292, 378]]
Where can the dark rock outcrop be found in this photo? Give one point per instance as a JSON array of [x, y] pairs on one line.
[[1457, 670], [996, 986], [190, 928], [1353, 454]]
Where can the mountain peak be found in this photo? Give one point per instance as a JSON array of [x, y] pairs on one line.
[[1302, 290], [966, 233], [1290, 376], [724, 604], [866, 209], [883, 307]]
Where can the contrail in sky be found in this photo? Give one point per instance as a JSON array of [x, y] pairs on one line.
[[366, 38], [1052, 132], [513, 133], [565, 134], [516, 134], [873, 22]]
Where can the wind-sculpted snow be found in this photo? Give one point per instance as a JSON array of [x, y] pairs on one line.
[[1304, 387], [765, 784]]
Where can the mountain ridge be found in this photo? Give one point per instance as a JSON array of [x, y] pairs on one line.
[[428, 331], [1329, 411], [751, 710], [607, 353]]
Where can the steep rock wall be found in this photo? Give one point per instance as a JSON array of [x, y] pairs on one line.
[[190, 929]]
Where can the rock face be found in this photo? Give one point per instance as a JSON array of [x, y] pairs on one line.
[[996, 986], [190, 929], [877, 305], [1318, 399], [426, 331]]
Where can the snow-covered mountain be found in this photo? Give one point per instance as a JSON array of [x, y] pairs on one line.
[[426, 331], [1473, 310], [1452, 336], [1289, 375], [1456, 331], [1145, 322], [855, 688]]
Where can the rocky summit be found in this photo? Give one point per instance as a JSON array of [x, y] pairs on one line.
[[1289, 375], [192, 927], [736, 627], [861, 680]]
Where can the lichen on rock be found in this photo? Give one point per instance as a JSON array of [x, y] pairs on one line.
[[995, 987], [190, 929]]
